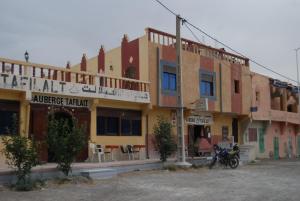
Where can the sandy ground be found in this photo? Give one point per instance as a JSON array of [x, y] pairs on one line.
[[267, 180]]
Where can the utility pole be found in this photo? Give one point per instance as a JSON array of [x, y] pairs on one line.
[[296, 50], [181, 160]]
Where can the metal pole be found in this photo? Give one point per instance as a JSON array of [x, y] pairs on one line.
[[296, 50], [181, 160]]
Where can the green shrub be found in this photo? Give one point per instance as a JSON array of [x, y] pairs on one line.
[[164, 139], [21, 155], [65, 140]]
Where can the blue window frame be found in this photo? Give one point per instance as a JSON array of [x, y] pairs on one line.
[[207, 84], [169, 81]]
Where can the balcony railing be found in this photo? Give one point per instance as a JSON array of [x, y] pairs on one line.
[[162, 38], [67, 75], [277, 115], [71, 77]]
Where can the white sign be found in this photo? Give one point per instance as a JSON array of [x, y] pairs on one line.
[[41, 85], [60, 101], [199, 120], [200, 105]]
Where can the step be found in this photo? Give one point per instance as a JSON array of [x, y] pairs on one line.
[[100, 173]]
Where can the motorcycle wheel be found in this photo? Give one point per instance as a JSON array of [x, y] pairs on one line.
[[234, 162], [212, 163]]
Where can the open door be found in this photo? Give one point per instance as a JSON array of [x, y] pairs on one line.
[[235, 130]]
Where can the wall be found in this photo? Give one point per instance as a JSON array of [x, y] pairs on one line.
[[24, 108], [275, 129], [191, 64]]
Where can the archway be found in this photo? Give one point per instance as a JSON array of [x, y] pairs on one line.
[[60, 115]]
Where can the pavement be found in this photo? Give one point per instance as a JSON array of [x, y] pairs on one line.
[[265, 180]]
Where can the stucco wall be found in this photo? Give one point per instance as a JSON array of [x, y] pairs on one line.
[[23, 117], [275, 129]]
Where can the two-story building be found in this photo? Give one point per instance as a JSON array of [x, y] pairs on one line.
[[273, 126], [30, 91], [215, 83]]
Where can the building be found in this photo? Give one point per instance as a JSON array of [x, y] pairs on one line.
[[273, 126], [119, 93], [30, 91], [215, 86]]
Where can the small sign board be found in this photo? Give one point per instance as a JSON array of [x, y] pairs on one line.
[[200, 120], [200, 105]]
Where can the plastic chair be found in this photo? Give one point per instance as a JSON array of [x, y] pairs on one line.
[[100, 152], [125, 150], [131, 150]]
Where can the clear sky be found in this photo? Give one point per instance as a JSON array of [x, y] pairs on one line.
[[58, 31]]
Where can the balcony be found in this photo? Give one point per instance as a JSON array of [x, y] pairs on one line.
[[40, 78], [162, 38], [277, 115]]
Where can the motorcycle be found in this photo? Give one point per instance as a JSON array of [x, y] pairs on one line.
[[226, 157]]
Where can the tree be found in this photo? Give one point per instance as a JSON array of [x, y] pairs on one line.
[[65, 140], [21, 155], [163, 138]]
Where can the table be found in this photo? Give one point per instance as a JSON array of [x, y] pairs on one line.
[[112, 147], [139, 147]]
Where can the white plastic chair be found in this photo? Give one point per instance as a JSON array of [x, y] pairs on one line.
[[100, 153]]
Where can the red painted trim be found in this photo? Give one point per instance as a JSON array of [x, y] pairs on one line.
[[101, 60], [236, 98], [207, 64], [130, 56], [83, 63], [169, 53]]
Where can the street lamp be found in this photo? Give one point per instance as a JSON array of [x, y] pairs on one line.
[[26, 55]]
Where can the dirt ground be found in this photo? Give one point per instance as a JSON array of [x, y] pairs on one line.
[[267, 180]]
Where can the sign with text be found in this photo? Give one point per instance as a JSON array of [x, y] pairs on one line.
[[55, 87], [60, 101], [200, 105], [199, 120]]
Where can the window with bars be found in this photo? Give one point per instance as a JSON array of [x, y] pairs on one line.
[[252, 134]]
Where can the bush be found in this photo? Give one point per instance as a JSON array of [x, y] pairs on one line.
[[164, 139], [20, 153], [65, 140]]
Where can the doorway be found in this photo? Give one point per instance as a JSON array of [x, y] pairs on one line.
[[39, 125], [199, 139], [235, 130], [276, 148], [60, 116]]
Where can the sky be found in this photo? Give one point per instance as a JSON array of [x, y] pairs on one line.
[[57, 31]]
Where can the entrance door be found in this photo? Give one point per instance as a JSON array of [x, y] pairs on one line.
[[38, 129], [261, 139], [276, 148], [235, 130], [290, 147], [60, 115]]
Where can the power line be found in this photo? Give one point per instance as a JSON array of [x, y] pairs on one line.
[[185, 21]]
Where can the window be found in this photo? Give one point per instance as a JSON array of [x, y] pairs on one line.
[[107, 125], [252, 134], [207, 84], [257, 96], [9, 112], [207, 88], [136, 127], [236, 86], [169, 81], [114, 122]]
